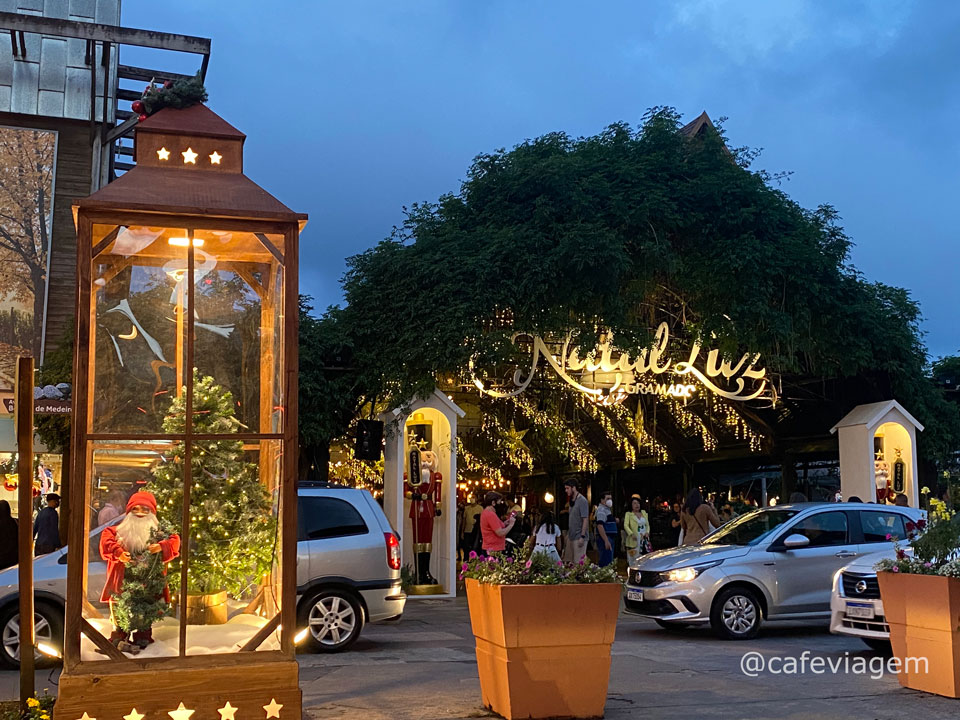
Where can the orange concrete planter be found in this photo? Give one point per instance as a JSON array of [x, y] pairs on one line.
[[543, 651], [923, 612]]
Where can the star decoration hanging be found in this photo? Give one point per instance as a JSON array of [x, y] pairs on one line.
[[879, 457], [189, 156], [273, 709], [227, 712], [163, 154], [181, 713], [514, 439], [215, 158], [134, 715]]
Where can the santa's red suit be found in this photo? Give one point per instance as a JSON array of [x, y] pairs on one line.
[[425, 501], [111, 550]]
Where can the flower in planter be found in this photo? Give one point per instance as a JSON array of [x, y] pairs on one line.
[[933, 543]]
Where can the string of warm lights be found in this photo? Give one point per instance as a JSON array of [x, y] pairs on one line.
[[581, 456], [734, 422], [692, 424], [348, 470]]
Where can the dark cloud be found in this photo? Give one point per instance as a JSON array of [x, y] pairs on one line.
[[356, 109]]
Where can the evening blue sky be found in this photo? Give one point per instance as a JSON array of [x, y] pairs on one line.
[[355, 109]]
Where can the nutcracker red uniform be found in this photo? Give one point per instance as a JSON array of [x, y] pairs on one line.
[[132, 535], [423, 487]]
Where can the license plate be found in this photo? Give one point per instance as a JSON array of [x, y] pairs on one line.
[[860, 610], [635, 595]]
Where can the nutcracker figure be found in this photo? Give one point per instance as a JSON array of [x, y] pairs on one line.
[[423, 488]]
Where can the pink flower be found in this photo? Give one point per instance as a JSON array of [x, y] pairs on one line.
[[559, 563], [889, 536], [928, 564], [528, 564], [473, 555], [583, 560], [509, 559], [895, 569], [464, 567]]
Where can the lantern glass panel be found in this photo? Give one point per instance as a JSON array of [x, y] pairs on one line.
[[238, 325], [233, 575], [134, 602], [139, 297]]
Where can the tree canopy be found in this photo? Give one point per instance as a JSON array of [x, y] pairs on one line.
[[618, 232]]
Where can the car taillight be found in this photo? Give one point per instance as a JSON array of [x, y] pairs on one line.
[[393, 550]]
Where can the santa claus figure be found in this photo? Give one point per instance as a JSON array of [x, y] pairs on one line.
[[135, 539]]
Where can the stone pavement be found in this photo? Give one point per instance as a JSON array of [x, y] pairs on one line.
[[423, 668]]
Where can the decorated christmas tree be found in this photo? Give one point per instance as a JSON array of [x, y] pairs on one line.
[[233, 538]]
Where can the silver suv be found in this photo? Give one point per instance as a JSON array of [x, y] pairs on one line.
[[348, 574], [776, 563]]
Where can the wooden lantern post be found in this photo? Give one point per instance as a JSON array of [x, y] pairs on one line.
[[24, 413], [165, 254]]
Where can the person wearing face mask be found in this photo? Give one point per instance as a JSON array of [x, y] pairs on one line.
[[606, 529], [493, 530]]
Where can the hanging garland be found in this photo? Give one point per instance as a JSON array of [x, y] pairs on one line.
[[177, 94], [141, 601]]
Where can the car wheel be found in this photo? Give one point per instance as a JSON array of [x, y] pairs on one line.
[[881, 646], [736, 614], [668, 625], [333, 619], [48, 628]]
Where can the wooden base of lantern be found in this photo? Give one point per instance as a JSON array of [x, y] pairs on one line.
[[212, 691]]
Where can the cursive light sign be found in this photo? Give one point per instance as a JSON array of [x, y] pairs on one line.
[[610, 378]]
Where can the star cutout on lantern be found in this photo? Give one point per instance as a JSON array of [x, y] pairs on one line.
[[227, 712], [189, 156], [163, 154], [879, 456], [273, 709], [181, 713], [215, 158], [87, 717], [134, 715]]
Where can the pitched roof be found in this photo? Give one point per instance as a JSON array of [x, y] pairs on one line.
[[697, 125], [194, 120], [151, 189], [870, 415]]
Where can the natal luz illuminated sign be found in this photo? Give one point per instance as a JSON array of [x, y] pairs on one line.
[[610, 378]]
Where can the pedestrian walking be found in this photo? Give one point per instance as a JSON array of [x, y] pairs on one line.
[[698, 518], [9, 537], [493, 530], [548, 536], [636, 528], [606, 529], [46, 528], [579, 518]]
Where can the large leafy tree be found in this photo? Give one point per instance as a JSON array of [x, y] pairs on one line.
[[620, 231]]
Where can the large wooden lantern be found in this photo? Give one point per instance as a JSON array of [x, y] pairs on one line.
[[185, 421]]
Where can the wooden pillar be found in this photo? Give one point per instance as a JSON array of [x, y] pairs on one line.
[[24, 410]]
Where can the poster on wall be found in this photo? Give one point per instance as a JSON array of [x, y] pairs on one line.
[[27, 162]]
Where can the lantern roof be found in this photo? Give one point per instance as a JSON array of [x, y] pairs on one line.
[[189, 162]]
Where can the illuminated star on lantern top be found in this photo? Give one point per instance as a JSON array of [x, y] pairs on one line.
[[273, 709], [181, 713], [189, 156], [163, 154], [215, 158], [879, 457], [134, 715], [227, 712]]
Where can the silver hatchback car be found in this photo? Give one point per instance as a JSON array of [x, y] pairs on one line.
[[775, 563], [348, 574]]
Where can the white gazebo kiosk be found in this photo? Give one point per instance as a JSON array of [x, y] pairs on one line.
[[434, 420], [878, 444]]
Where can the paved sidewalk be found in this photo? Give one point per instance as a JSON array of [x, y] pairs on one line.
[[424, 668]]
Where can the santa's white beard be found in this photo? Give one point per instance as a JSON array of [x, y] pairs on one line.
[[134, 532]]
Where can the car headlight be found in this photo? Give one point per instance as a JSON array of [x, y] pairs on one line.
[[686, 574]]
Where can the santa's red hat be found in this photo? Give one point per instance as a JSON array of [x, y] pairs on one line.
[[143, 498]]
